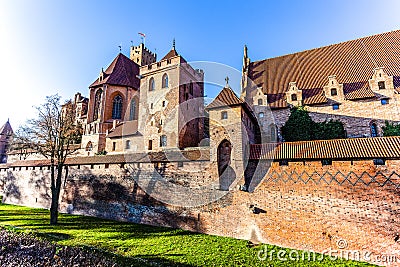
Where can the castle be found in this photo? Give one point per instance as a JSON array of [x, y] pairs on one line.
[[141, 104], [223, 168]]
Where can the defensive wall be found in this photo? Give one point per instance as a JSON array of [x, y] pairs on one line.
[[312, 195]]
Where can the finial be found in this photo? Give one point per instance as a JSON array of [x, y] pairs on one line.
[[131, 43], [245, 51], [120, 47], [227, 81], [173, 44]]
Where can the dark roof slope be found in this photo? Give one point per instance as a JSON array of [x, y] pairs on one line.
[[352, 148], [173, 53], [6, 129], [225, 98], [352, 62], [122, 71]]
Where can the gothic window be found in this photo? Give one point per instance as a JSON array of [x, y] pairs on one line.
[[163, 140], [97, 102], [381, 85], [117, 108], [294, 97], [333, 91], [224, 115], [273, 130], [374, 129], [165, 81], [151, 84], [133, 113], [260, 102], [261, 115]]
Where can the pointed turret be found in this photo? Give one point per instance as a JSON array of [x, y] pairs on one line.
[[245, 72], [6, 133]]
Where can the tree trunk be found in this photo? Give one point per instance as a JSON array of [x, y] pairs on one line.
[[55, 196]]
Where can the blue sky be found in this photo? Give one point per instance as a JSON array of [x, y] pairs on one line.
[[50, 47]]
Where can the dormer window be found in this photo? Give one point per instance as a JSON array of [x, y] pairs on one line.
[[333, 92], [294, 97], [381, 85]]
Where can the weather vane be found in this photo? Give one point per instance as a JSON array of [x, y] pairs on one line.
[[227, 81]]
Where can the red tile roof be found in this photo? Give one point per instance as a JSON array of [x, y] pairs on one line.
[[374, 147], [124, 129], [172, 53], [225, 98], [122, 71], [352, 62], [165, 156]]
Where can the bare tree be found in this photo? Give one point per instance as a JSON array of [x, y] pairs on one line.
[[52, 134]]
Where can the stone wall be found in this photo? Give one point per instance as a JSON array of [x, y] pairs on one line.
[[303, 205]]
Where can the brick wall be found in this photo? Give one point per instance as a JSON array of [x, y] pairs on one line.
[[303, 205]]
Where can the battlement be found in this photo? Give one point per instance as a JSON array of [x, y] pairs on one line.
[[141, 55]]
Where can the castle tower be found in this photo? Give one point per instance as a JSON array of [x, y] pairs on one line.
[[171, 104], [233, 127], [142, 56], [6, 133]]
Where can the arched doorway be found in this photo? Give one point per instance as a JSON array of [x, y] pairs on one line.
[[224, 156], [226, 173]]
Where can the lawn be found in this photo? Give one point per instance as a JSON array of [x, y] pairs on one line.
[[142, 245]]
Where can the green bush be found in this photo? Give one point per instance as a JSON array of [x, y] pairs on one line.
[[300, 127], [391, 129]]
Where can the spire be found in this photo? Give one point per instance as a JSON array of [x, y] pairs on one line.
[[173, 44], [245, 51]]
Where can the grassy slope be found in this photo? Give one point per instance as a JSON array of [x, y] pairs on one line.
[[153, 244]]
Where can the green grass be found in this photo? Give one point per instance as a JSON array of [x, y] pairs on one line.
[[141, 245]]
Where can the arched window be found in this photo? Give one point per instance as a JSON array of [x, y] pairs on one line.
[[152, 84], [97, 102], [294, 97], [273, 132], [165, 81], [374, 129], [117, 108], [89, 146], [261, 115], [133, 111], [260, 102], [163, 140], [333, 91]]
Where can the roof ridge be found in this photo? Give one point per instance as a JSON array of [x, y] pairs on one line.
[[324, 46]]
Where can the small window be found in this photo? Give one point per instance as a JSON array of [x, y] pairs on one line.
[[374, 130], [384, 101], [379, 161], [260, 102], [335, 106], [180, 164], [160, 122], [224, 115], [381, 85], [163, 141], [333, 91], [326, 162], [150, 145], [294, 97], [114, 146], [163, 103], [152, 85], [191, 88], [128, 144], [165, 81], [261, 115], [107, 165], [151, 106]]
